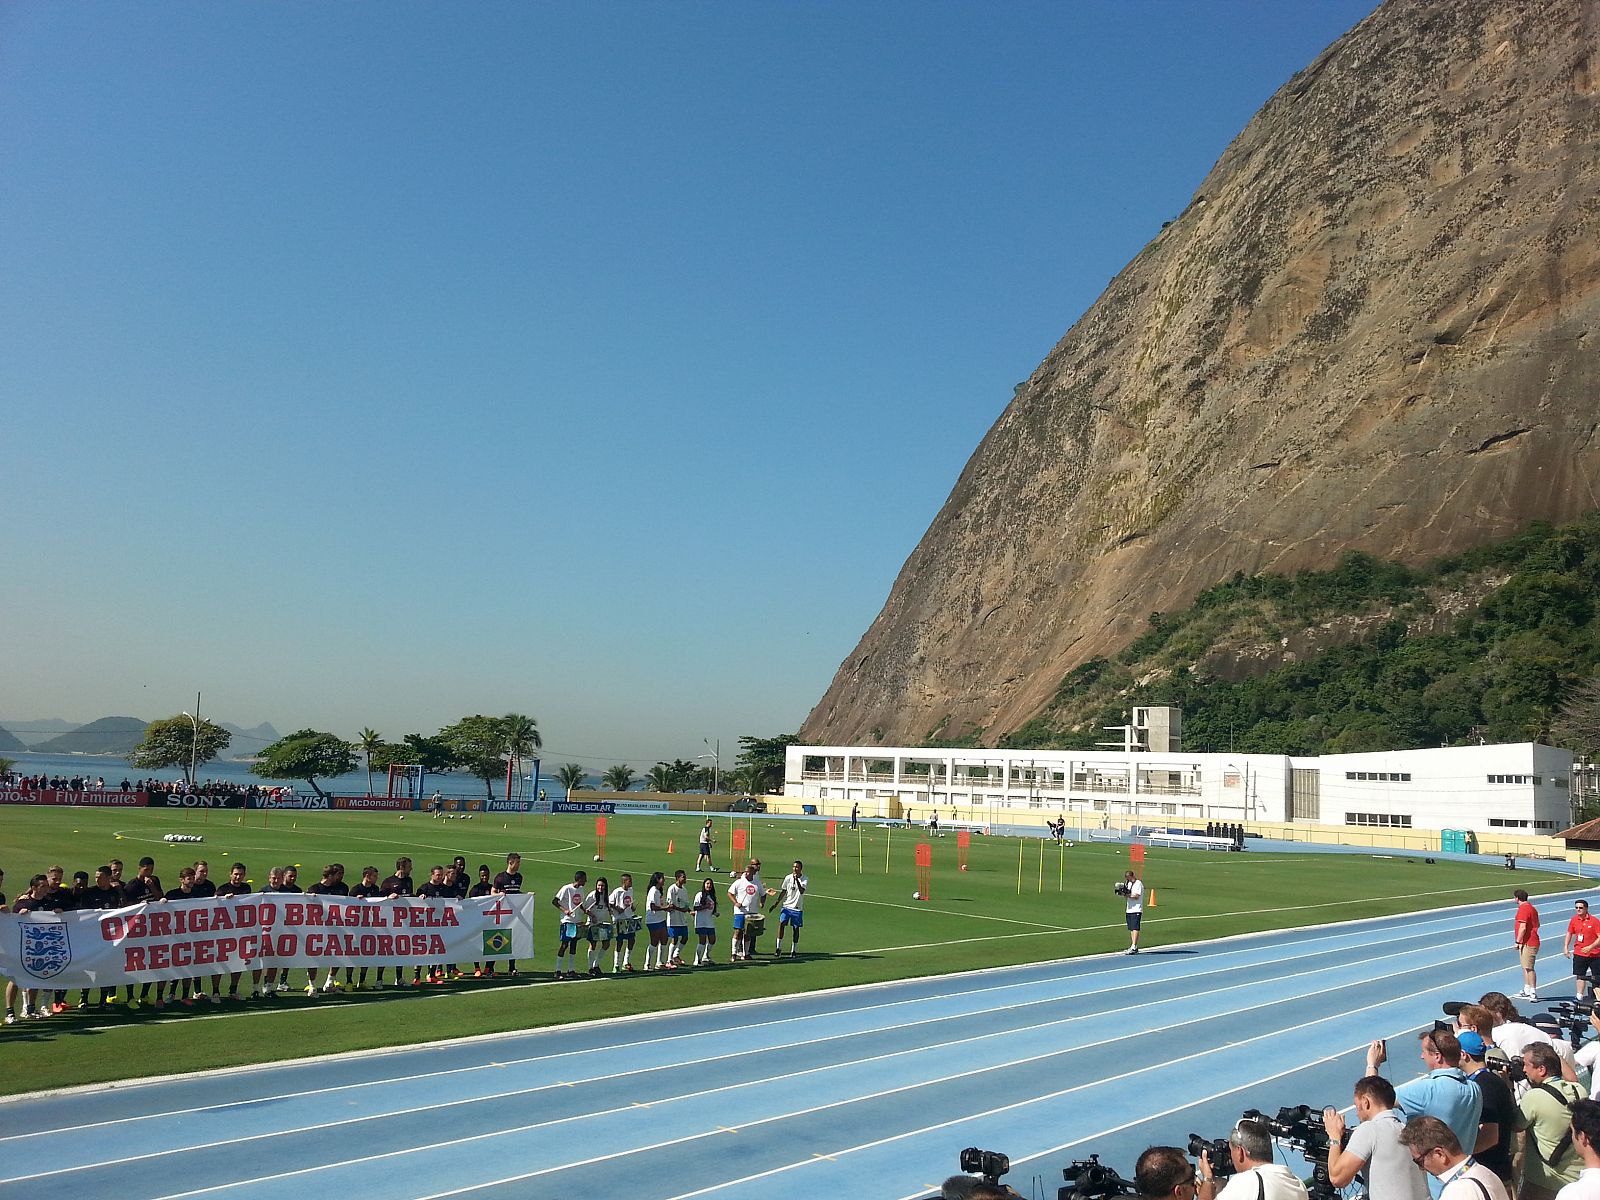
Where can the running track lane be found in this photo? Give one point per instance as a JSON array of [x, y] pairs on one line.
[[867, 1092]]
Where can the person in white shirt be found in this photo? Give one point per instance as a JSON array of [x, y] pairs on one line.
[[791, 895], [627, 925], [677, 917], [569, 900], [705, 922], [655, 923], [747, 894], [1438, 1152], [601, 922], [1133, 891], [1255, 1176], [1586, 1137]]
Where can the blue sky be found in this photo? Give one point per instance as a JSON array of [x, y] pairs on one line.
[[379, 364]]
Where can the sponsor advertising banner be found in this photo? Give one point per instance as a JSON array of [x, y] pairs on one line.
[[183, 939], [582, 806], [77, 799], [375, 803], [163, 800], [288, 800]]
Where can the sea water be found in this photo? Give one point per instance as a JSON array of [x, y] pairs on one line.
[[114, 769]]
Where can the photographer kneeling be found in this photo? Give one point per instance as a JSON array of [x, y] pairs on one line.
[[1256, 1176], [1374, 1151]]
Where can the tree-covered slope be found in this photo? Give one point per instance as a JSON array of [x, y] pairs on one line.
[[1371, 655]]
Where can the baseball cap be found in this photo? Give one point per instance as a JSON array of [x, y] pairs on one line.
[[1471, 1043]]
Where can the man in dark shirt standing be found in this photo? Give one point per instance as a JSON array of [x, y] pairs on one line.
[[509, 883], [367, 889], [395, 887], [30, 901], [436, 888], [331, 884], [183, 992], [1493, 1148], [237, 886]]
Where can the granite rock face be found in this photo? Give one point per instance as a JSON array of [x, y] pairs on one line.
[[1374, 327]]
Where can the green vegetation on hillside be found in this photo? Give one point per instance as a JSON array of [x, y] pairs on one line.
[[1370, 655]]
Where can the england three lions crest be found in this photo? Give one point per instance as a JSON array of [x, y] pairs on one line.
[[45, 949]]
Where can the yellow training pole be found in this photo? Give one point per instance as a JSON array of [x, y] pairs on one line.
[[1041, 865], [1019, 866], [861, 861], [887, 839], [1061, 868]]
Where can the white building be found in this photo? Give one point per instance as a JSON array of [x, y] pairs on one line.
[[1521, 788]]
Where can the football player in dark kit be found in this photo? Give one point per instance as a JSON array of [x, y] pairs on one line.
[[331, 884], [143, 888], [236, 886], [367, 889], [509, 883], [397, 885]]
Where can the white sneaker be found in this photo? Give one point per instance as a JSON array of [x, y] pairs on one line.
[[11, 1018]]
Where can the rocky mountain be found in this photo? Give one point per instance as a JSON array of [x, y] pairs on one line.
[[1371, 328], [10, 741], [108, 735]]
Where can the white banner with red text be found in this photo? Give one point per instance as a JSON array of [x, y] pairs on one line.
[[182, 939]]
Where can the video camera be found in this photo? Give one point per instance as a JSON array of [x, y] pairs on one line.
[[1570, 1017], [1300, 1126], [1217, 1149], [1122, 888], [990, 1164], [1090, 1179]]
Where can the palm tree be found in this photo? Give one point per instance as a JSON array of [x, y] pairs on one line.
[[367, 741], [661, 778], [618, 778], [570, 776], [522, 739]]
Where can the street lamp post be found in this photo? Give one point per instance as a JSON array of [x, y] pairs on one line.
[[194, 742], [716, 764]]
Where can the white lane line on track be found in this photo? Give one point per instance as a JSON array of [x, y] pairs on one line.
[[1233, 944], [1160, 1005], [745, 1082], [991, 1112]]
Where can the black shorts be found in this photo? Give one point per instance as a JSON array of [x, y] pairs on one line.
[[1585, 966], [1133, 920]]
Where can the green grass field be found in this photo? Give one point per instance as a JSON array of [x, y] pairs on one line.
[[862, 924]]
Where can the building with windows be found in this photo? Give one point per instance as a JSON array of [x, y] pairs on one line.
[[1518, 789]]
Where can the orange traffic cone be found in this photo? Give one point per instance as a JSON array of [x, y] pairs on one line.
[[1152, 897], [669, 847]]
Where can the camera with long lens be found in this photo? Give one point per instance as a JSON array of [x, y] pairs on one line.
[[1567, 1018], [1090, 1179], [1221, 1159], [1122, 888], [1300, 1126]]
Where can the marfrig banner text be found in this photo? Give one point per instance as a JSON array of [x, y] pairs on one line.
[[184, 939]]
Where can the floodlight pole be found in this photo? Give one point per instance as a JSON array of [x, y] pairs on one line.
[[194, 741]]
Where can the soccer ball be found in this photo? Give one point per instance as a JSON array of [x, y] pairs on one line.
[[597, 858], [402, 816], [963, 866], [916, 895]]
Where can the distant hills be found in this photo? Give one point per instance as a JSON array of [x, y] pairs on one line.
[[111, 735]]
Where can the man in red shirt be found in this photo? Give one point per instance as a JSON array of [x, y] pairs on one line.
[[1582, 945], [1525, 932]]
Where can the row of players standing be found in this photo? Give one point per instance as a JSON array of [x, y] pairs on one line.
[[607, 917]]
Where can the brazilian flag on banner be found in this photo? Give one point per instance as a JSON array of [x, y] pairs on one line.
[[496, 941]]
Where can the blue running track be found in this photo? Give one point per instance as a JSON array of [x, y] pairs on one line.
[[866, 1092]]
